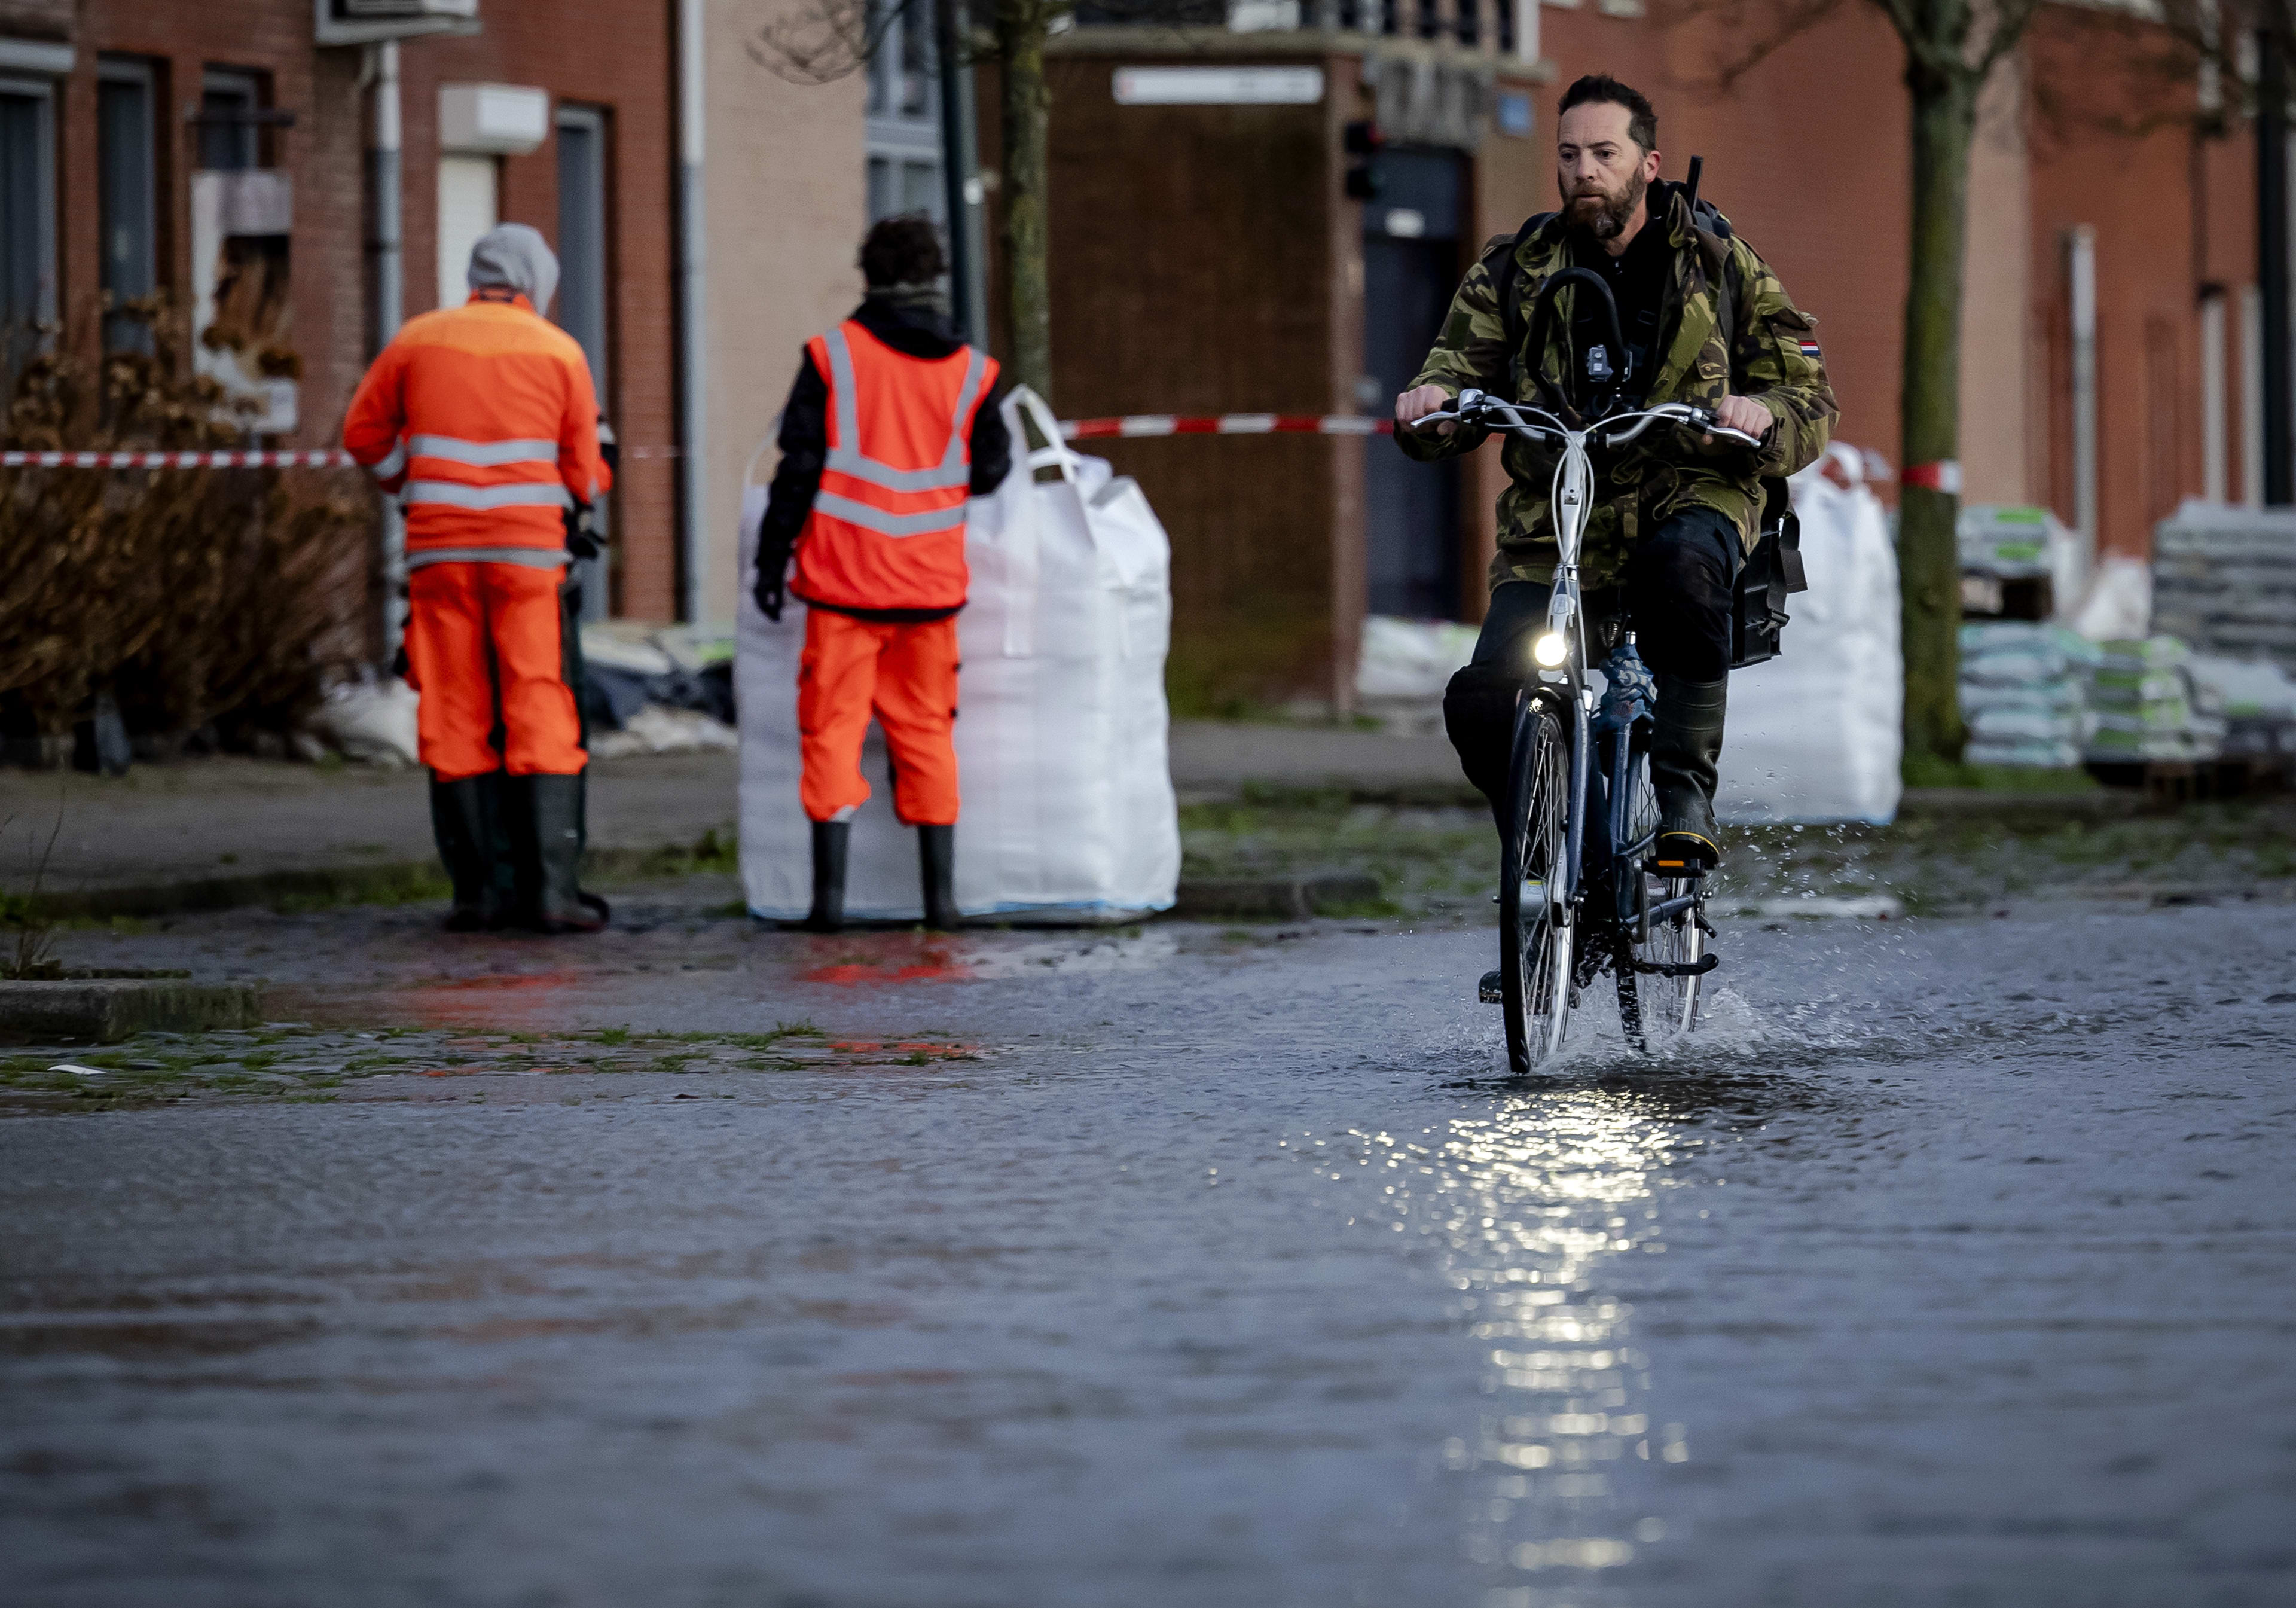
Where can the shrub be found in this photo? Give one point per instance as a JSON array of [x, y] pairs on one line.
[[195, 597]]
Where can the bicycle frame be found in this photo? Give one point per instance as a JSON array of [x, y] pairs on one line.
[[1570, 500]]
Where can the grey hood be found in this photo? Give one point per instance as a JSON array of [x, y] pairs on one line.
[[516, 257]]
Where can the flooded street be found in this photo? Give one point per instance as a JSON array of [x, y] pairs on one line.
[[1956, 1263]]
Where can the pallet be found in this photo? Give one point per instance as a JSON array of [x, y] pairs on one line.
[[2167, 784]]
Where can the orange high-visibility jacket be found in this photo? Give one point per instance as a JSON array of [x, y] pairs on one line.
[[483, 419], [887, 529]]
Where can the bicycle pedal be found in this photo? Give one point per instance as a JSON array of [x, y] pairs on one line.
[[1490, 991]]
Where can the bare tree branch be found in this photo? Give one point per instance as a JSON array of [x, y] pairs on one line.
[[2009, 23], [821, 41]]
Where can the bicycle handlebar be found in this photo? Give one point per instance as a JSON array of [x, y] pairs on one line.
[[1479, 409]]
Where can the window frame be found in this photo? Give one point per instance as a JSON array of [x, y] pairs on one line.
[[256, 86], [42, 90], [142, 73]]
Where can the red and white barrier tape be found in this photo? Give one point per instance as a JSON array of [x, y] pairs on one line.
[[1135, 427], [329, 459], [1139, 425]]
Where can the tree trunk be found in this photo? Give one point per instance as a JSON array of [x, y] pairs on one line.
[[1020, 27], [1943, 117]]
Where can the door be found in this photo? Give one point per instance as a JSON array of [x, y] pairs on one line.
[[1411, 269]]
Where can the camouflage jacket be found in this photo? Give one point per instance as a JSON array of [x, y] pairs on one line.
[[1747, 338]]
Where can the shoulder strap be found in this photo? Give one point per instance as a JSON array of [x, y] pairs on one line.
[[1505, 274]]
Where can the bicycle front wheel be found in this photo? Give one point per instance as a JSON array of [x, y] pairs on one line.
[[1534, 908]]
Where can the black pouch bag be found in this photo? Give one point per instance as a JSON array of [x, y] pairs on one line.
[[1772, 571]]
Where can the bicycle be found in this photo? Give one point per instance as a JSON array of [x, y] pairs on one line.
[[1571, 904]]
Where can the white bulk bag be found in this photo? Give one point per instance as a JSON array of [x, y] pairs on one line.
[[1815, 734], [1061, 734]]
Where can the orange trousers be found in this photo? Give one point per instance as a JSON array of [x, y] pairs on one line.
[[903, 673], [486, 644]]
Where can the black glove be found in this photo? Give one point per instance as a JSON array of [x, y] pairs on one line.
[[772, 562]]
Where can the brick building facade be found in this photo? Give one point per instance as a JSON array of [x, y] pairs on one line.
[[177, 90], [1206, 254], [1207, 259]]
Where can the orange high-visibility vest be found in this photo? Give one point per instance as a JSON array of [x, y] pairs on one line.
[[887, 529], [483, 419]]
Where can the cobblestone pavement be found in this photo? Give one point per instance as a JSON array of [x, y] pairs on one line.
[[1955, 1262]]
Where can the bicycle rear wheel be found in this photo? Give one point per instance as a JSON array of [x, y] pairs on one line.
[[1534, 907], [1650, 1001]]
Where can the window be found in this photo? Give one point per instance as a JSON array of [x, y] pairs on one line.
[[27, 218], [230, 126], [127, 156], [904, 127]]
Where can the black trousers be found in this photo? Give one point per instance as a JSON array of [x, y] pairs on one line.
[[1676, 598]]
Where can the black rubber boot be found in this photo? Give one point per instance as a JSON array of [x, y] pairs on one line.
[[511, 893], [1685, 751], [831, 842], [461, 819], [937, 863], [560, 905]]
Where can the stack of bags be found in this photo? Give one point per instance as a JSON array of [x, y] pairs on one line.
[[2224, 580], [2024, 694], [2256, 700], [2145, 705], [2018, 561]]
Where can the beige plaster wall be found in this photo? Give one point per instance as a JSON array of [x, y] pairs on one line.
[[1996, 345], [785, 184]]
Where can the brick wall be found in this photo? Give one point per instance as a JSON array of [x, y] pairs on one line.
[[1805, 153], [2132, 179], [556, 47]]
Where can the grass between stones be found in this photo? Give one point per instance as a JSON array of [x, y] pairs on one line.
[[1440, 860], [292, 1062]]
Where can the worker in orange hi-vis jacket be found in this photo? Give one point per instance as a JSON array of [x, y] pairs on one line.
[[888, 428], [482, 418]]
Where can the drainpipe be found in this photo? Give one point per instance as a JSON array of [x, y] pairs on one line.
[[2272, 262], [384, 247], [2080, 263], [960, 160], [693, 549]]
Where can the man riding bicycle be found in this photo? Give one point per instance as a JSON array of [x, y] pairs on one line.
[[1704, 321]]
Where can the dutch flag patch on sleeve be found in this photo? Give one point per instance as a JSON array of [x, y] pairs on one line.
[[1809, 349]]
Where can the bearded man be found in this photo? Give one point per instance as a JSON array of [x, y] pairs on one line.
[[1704, 321]]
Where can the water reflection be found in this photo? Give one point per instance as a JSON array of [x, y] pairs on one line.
[[1537, 1203]]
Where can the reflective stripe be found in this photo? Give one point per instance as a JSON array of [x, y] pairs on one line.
[[534, 558], [390, 463], [845, 462], [531, 494], [842, 382], [928, 523], [483, 454], [964, 396], [846, 458]]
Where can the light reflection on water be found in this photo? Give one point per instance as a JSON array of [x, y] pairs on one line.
[[1533, 1200]]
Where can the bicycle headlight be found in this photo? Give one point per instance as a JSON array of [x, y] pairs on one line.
[[1550, 649]]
